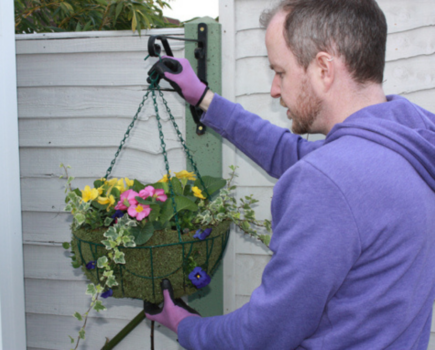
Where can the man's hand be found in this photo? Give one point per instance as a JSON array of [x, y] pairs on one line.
[[173, 311], [179, 73]]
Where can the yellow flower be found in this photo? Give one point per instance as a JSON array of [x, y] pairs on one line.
[[184, 174], [107, 200], [100, 190], [112, 182], [129, 182], [197, 192], [88, 194], [120, 186], [164, 178]]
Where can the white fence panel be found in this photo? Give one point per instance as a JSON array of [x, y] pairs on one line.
[[77, 94]]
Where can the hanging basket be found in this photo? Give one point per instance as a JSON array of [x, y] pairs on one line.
[[163, 256]]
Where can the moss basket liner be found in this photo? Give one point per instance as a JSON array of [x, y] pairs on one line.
[[146, 265]]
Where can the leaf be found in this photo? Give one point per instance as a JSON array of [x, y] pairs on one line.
[[80, 218], [111, 233], [143, 201], [245, 226], [138, 186], [91, 290], [98, 183], [115, 192], [134, 22], [76, 264], [65, 245], [102, 262], [181, 203], [155, 211], [265, 239], [82, 333], [176, 186], [87, 26], [212, 184], [99, 306], [142, 234], [107, 221], [78, 316], [71, 339], [111, 282], [118, 11], [119, 257], [107, 244], [97, 205]]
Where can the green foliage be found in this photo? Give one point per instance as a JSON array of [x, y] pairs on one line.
[[86, 15], [213, 184], [182, 203], [225, 207], [142, 233]]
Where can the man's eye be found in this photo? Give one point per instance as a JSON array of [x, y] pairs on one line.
[[280, 74]]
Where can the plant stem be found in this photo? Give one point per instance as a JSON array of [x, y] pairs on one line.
[[86, 318]]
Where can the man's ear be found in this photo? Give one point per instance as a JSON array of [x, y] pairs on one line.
[[323, 70]]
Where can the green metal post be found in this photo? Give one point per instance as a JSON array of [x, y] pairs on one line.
[[207, 149]]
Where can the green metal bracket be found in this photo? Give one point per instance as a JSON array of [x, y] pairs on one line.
[[206, 148]]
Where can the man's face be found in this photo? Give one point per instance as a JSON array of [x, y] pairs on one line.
[[291, 83]]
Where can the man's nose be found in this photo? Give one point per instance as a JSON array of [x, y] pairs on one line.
[[275, 89]]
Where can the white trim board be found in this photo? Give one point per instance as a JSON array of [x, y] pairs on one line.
[[12, 324]]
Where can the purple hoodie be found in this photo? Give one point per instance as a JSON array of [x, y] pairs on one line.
[[353, 234]]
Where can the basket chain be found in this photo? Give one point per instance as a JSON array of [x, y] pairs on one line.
[[127, 134]]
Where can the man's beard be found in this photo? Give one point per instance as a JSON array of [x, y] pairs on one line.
[[308, 107]]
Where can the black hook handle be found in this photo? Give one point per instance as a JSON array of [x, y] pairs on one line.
[[155, 49]]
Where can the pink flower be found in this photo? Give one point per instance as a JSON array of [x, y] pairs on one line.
[[139, 211], [160, 195], [150, 191], [147, 192], [126, 200]]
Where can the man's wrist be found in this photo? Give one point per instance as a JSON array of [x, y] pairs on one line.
[[206, 101]]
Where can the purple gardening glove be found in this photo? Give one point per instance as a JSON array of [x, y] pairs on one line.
[[179, 73], [173, 311]]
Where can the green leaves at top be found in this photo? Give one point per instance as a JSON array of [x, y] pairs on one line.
[[212, 184], [81, 15], [181, 203]]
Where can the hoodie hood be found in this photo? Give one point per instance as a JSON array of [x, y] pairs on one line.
[[399, 125]]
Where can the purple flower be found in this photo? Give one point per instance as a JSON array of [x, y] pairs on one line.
[[202, 234], [199, 277], [107, 293], [91, 265], [118, 214]]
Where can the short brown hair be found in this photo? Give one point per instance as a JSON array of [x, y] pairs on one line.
[[353, 29]]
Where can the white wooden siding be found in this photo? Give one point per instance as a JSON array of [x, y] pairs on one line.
[[409, 72], [77, 93]]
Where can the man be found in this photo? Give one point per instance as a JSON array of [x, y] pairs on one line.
[[353, 215]]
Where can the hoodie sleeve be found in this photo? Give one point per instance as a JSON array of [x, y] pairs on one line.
[[315, 244], [273, 148]]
